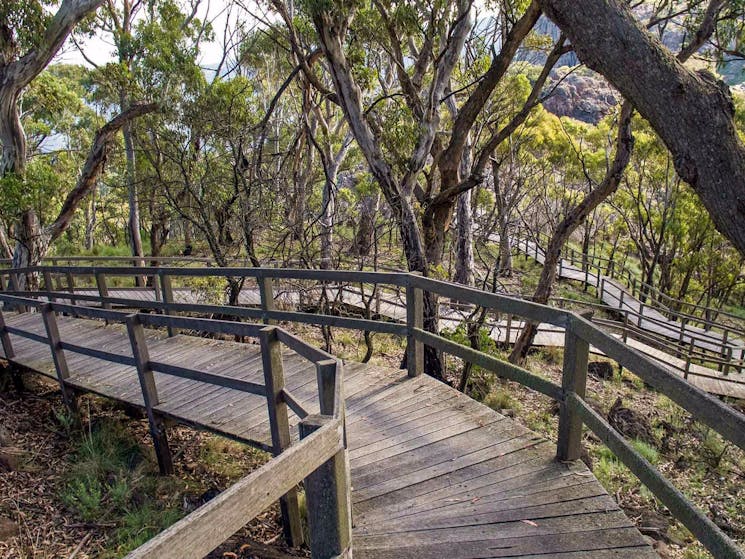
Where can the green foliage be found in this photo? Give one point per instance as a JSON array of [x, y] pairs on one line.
[[501, 399], [109, 477], [25, 21]]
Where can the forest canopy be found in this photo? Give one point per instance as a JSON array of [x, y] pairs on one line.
[[306, 133]]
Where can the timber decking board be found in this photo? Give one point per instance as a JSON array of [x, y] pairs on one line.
[[434, 473]]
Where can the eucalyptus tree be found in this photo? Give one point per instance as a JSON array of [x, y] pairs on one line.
[[650, 51], [414, 150], [29, 39], [156, 44], [692, 111]]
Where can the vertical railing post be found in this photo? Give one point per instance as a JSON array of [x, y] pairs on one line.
[[149, 393], [689, 357], [166, 291], [326, 377], [16, 287], [681, 335], [414, 320], [48, 284], [71, 286], [266, 293], [58, 356], [5, 338], [103, 289], [327, 494], [279, 425], [573, 380]]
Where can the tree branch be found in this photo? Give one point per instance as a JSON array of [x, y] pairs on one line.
[[94, 165]]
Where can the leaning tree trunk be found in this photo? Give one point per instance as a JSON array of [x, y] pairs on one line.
[[133, 224], [574, 218], [505, 251], [31, 245], [33, 240], [692, 111], [363, 238], [12, 136], [327, 224]]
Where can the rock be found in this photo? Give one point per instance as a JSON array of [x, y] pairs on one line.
[[600, 370], [653, 525], [8, 528], [11, 458], [629, 423]]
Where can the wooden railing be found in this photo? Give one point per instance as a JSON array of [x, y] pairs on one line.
[[319, 459], [728, 338], [580, 335]]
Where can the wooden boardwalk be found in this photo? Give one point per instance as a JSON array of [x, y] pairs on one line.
[[434, 473], [616, 295], [708, 379]]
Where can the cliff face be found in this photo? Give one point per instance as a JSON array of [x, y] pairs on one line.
[[582, 95]]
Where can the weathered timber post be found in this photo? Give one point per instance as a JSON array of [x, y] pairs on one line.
[[5, 338], [103, 289], [58, 356], [15, 372], [508, 337], [166, 291], [71, 286], [326, 378], [48, 284], [327, 494], [15, 287], [266, 293], [271, 356], [149, 393], [414, 319], [573, 380]]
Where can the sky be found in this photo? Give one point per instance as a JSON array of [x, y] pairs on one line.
[[100, 49]]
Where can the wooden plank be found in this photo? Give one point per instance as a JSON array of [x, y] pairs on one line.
[[415, 442], [619, 536], [280, 429], [203, 530], [149, 393]]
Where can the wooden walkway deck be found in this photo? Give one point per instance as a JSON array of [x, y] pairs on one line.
[[615, 294], [710, 380], [434, 473]]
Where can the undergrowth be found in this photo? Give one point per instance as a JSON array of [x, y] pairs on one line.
[[112, 481]]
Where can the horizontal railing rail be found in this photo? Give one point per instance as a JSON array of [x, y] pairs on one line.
[[580, 334], [314, 459]]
